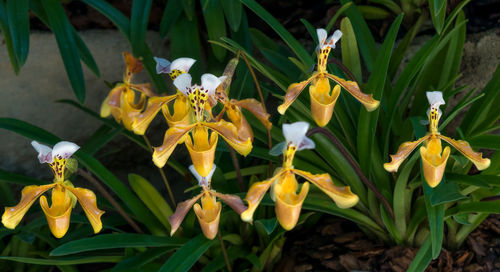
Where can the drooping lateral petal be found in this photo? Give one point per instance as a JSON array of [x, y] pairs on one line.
[[255, 195], [64, 149], [58, 215], [88, 201], [342, 196], [112, 100], [13, 215], [232, 201], [403, 151], [230, 134], [465, 148], [353, 88], [44, 152], [288, 202], [239, 121], [141, 123], [257, 109], [293, 92], [208, 215], [434, 165], [172, 137], [182, 209]]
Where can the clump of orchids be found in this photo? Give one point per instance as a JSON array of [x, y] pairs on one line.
[[64, 194], [433, 156], [284, 185], [323, 98], [208, 213]]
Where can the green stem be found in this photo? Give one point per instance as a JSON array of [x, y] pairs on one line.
[[226, 258]]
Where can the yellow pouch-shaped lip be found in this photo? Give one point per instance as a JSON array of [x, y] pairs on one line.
[[208, 215], [288, 202], [323, 104], [59, 214], [202, 149], [434, 164]]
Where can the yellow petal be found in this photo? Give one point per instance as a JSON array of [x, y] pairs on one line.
[[143, 120], [232, 201], [208, 215], [113, 100], [88, 201], [202, 150], [255, 195], [403, 151], [353, 88], [235, 115], [230, 134], [13, 215], [292, 93], [288, 202], [257, 109], [464, 148], [58, 215], [322, 104], [130, 109], [342, 196], [434, 165], [172, 138], [182, 209]]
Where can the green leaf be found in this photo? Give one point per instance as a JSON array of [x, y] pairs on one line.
[[269, 225], [475, 207], [151, 198], [339, 12], [186, 256], [233, 11], [216, 27], [171, 13], [19, 24], [484, 181], [445, 193], [374, 12], [139, 25], [135, 262], [64, 261], [189, 8], [423, 257], [114, 15], [350, 54], [186, 42], [9, 177], [438, 13], [117, 240], [101, 137], [67, 47], [462, 219], [489, 141], [296, 47], [435, 215], [4, 26]]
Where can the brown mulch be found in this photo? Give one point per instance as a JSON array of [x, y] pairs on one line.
[[338, 245]]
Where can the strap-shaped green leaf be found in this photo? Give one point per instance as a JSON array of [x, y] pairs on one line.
[[19, 25], [64, 261], [216, 27], [139, 25], [4, 26], [171, 13], [186, 256], [67, 47], [423, 257], [233, 11]]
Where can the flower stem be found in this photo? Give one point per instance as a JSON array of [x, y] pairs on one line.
[[164, 178], [110, 199], [237, 169], [351, 161], [224, 252]]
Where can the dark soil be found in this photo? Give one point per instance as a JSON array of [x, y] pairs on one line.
[[338, 245]]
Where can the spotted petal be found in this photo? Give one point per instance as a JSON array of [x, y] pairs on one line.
[[183, 83], [342, 196], [64, 149], [403, 151], [44, 152], [13, 215], [293, 92], [172, 138], [229, 132], [88, 201], [182, 64], [465, 148], [182, 209], [210, 83], [353, 88]]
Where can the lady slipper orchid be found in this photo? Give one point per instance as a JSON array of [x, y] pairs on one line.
[[202, 141], [208, 213], [284, 185], [323, 98], [181, 108], [64, 194], [433, 157], [122, 101]]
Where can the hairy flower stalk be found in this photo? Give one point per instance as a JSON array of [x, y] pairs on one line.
[[284, 185], [208, 213], [64, 194], [323, 98], [433, 156]]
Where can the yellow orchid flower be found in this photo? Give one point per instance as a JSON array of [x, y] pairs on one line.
[[63, 194], [284, 185], [122, 102], [208, 213], [323, 98], [433, 161], [204, 131], [181, 108]]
